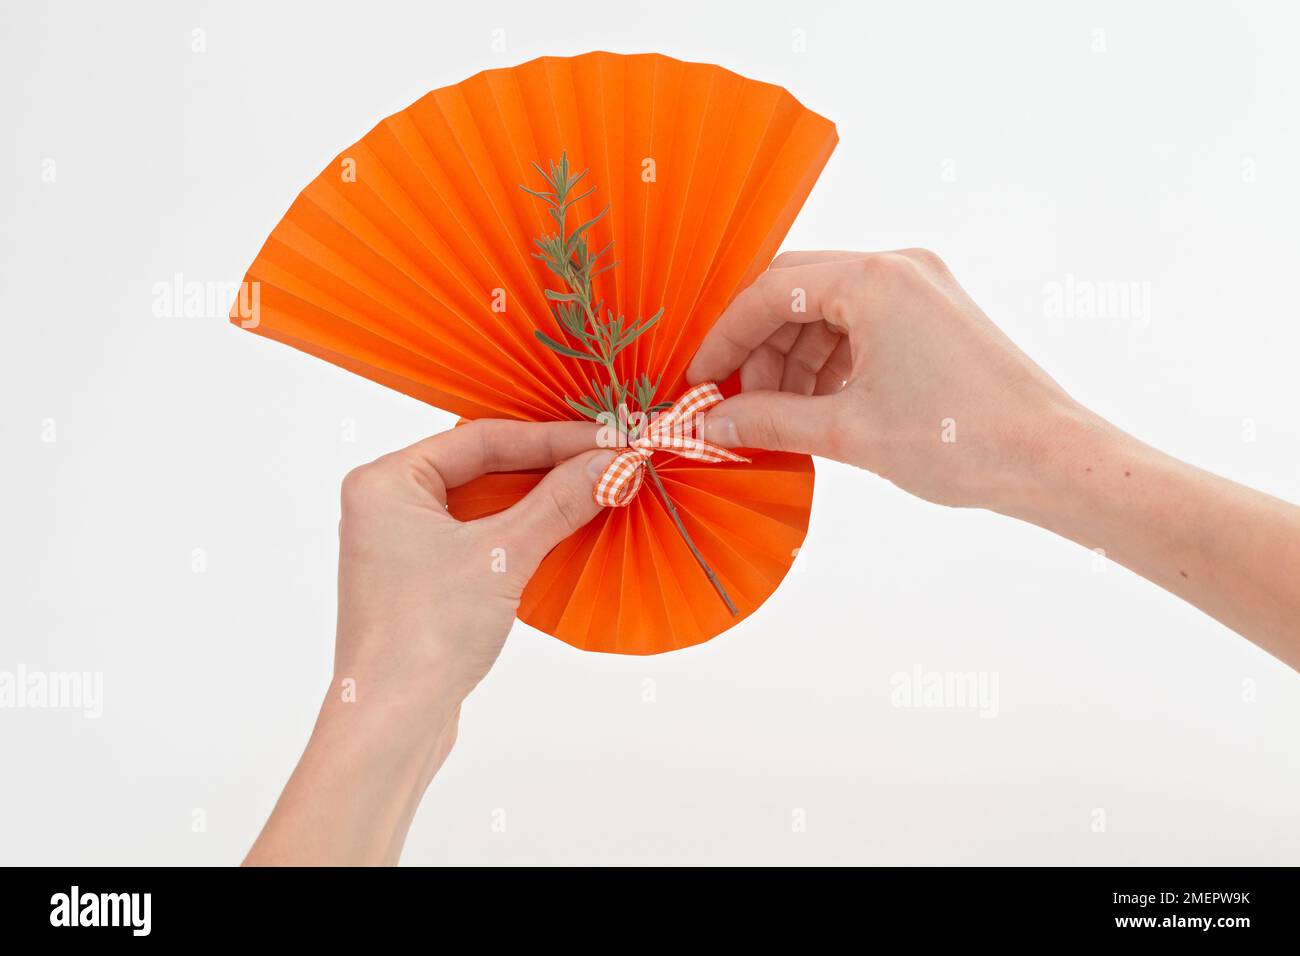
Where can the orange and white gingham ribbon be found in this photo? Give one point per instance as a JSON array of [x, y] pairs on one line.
[[622, 479]]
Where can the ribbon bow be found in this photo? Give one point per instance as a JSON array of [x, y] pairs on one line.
[[622, 479]]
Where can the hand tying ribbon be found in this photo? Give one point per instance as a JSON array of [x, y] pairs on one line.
[[622, 479]]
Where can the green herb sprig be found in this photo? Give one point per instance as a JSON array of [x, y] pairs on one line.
[[598, 334]]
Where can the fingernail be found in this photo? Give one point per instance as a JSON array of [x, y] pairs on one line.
[[721, 430], [597, 464]]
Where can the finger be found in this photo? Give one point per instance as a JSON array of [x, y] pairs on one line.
[[765, 364], [763, 368], [810, 257], [835, 373], [559, 505], [810, 352], [464, 453], [778, 421], [797, 294], [783, 339]]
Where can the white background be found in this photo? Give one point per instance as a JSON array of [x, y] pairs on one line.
[[999, 135]]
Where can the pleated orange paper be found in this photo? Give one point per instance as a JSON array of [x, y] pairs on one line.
[[389, 264]]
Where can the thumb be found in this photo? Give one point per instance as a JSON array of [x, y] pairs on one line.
[[777, 421], [559, 505]]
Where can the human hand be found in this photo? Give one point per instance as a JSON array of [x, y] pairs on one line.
[[891, 367], [425, 604], [426, 601]]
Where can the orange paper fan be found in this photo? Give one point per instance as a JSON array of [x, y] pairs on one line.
[[407, 260]]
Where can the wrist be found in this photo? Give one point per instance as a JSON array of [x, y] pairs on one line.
[[397, 714], [356, 788], [1067, 458]]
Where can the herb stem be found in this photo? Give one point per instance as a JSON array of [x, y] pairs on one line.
[[568, 255], [690, 543]]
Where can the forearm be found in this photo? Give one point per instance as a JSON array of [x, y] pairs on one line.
[[351, 799], [423, 614], [1231, 551]]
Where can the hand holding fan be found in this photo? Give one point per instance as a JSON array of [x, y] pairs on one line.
[[410, 260]]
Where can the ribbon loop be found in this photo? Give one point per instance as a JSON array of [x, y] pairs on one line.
[[671, 432]]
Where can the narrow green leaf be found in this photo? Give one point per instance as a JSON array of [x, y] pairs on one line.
[[606, 268], [555, 346], [590, 411], [646, 323], [588, 224], [562, 296]]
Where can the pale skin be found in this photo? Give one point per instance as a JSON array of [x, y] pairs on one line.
[[890, 351], [425, 605], [888, 355]]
